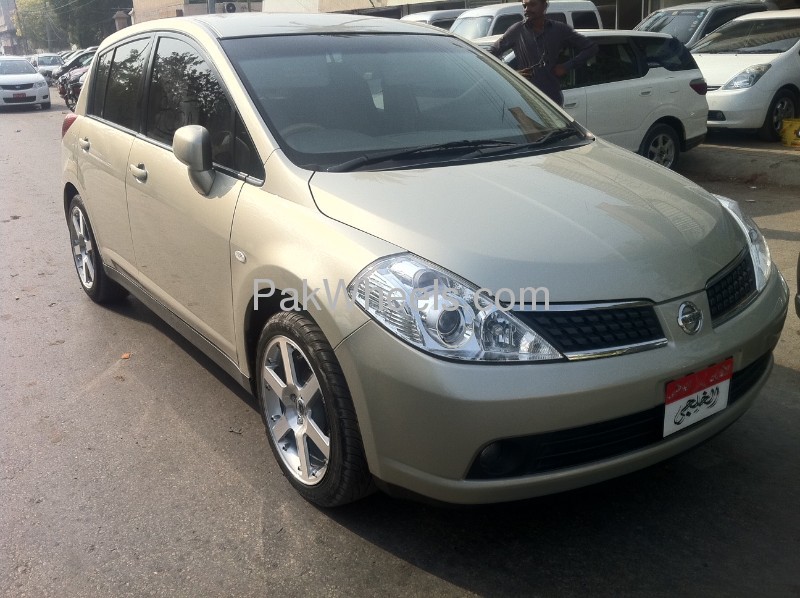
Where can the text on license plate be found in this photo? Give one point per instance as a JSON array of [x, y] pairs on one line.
[[20, 95], [696, 396]]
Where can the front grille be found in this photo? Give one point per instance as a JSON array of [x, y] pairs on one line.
[[583, 331], [26, 100], [731, 289], [17, 87], [577, 446]]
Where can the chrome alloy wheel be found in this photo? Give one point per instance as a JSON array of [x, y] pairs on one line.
[[296, 413], [662, 150], [83, 248], [784, 108]]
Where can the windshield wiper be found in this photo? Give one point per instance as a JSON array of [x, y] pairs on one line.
[[545, 140], [450, 147]]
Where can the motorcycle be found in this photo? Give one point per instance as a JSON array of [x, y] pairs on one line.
[[70, 85]]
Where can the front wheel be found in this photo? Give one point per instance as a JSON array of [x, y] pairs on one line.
[[308, 413], [88, 263], [783, 105], [661, 145]]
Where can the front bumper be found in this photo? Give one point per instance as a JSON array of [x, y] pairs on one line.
[[33, 95], [425, 420], [737, 108]]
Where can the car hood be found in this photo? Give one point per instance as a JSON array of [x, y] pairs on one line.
[[718, 69], [590, 224], [24, 79]]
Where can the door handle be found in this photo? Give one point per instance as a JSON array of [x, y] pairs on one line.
[[139, 172], [646, 92], [571, 105], [84, 143]]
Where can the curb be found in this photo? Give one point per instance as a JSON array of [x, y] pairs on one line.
[[764, 164]]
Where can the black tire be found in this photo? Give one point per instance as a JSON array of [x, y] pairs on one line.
[[310, 412], [662, 145], [46, 106], [783, 105], [71, 101], [88, 263]]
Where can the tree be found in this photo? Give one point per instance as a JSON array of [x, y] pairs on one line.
[[31, 21], [87, 22]]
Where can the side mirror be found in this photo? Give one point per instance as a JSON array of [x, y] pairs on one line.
[[192, 146]]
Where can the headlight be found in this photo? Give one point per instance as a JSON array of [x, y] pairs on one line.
[[748, 77], [440, 313], [759, 252], [41, 84]]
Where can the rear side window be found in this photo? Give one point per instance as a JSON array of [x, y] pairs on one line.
[[503, 22], [100, 83], [615, 61], [123, 98], [585, 19], [667, 53]]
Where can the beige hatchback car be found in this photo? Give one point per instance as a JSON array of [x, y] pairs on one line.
[[434, 280]]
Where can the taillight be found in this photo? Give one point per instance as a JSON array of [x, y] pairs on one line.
[[699, 85], [67, 123]]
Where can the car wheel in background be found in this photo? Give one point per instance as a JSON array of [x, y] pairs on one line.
[[88, 264], [308, 413], [783, 105], [661, 145], [46, 106]]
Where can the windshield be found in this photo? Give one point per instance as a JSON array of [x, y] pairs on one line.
[[472, 27], [759, 36], [49, 60], [16, 67], [678, 23], [335, 99]]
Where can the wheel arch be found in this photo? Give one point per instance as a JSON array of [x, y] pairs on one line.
[[677, 125], [70, 191]]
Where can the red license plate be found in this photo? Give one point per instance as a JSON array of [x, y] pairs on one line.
[[20, 95], [695, 397]]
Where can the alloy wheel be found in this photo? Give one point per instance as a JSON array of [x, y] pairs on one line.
[[83, 248]]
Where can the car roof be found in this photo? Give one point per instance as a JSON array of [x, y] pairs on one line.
[[226, 26], [792, 13], [6, 57], [711, 4], [452, 12], [485, 41]]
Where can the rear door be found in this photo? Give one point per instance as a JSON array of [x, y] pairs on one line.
[[114, 109]]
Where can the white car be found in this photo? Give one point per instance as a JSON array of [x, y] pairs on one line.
[[21, 83], [642, 91], [752, 65]]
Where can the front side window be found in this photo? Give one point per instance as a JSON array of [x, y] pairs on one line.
[[585, 19], [123, 101], [332, 98], [503, 22], [185, 91]]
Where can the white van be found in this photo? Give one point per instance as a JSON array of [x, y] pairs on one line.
[[496, 18], [443, 19]]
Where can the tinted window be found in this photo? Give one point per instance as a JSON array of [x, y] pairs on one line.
[[557, 16], [615, 61], [472, 27], [16, 67], [100, 82], [585, 19], [667, 53], [503, 22], [185, 91], [123, 103]]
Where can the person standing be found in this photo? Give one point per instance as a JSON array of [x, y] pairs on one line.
[[537, 43]]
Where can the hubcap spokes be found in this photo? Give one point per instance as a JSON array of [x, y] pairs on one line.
[[783, 109], [83, 249], [296, 412], [662, 151]]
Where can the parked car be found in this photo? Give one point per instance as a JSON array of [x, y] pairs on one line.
[[642, 91], [495, 19], [21, 83], [752, 65], [340, 211], [46, 64], [692, 22], [439, 18], [81, 59]]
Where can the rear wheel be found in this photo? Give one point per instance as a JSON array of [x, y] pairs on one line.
[[783, 105], [661, 145], [88, 263], [308, 413]]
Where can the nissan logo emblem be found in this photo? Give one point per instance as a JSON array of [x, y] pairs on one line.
[[690, 318]]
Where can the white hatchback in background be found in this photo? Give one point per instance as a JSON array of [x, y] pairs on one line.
[[643, 91], [752, 65]]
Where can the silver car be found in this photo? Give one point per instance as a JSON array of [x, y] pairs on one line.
[[434, 281]]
